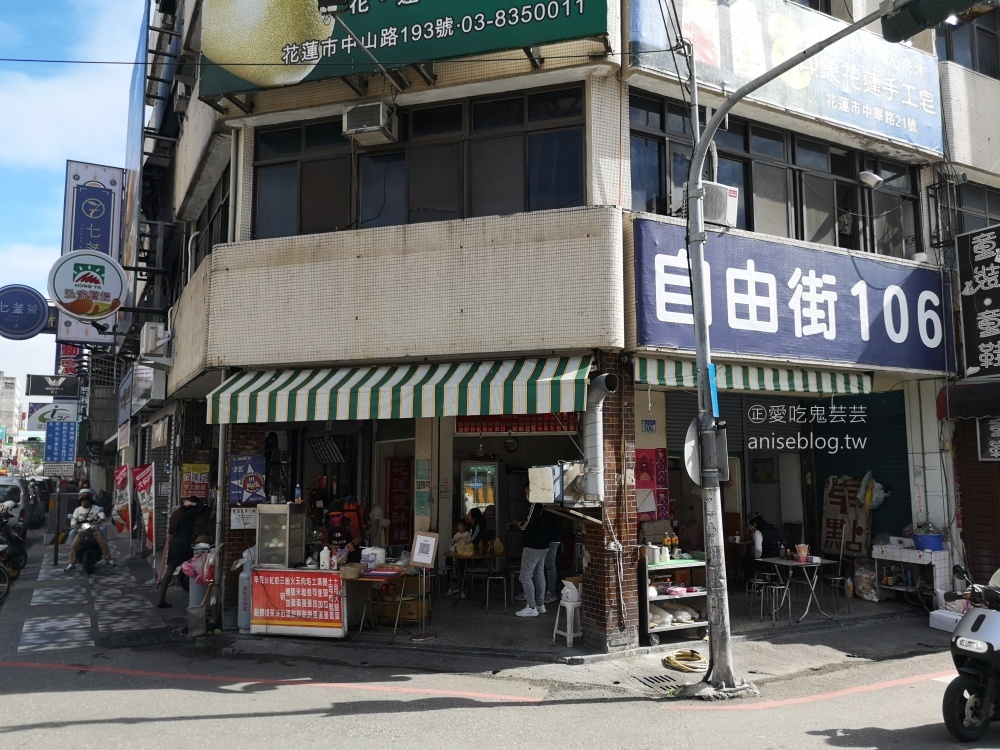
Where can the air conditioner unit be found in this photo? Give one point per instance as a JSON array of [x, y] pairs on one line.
[[182, 95], [372, 123], [153, 339], [721, 204]]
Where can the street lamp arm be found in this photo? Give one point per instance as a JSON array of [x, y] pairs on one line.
[[701, 149]]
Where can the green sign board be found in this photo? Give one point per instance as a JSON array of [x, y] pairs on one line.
[[253, 44]]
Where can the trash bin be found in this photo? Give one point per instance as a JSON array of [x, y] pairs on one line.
[[196, 593]]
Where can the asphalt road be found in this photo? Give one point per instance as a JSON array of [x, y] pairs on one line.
[[175, 695]]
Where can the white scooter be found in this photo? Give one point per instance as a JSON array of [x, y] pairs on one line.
[[972, 699]]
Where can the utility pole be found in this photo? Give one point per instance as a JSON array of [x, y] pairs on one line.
[[721, 676]]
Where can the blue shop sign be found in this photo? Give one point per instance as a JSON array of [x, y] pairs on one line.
[[93, 211], [24, 312], [786, 302], [60, 442]]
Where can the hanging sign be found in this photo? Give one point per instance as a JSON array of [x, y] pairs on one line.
[[979, 278], [39, 415], [123, 498], [64, 386], [195, 480], [24, 312], [87, 285]]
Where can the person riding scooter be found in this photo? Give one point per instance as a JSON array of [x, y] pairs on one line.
[[87, 512]]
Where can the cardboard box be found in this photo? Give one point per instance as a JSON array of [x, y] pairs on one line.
[[901, 541], [409, 610], [943, 619], [351, 570]]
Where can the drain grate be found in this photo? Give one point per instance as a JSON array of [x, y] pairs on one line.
[[662, 682], [133, 638]]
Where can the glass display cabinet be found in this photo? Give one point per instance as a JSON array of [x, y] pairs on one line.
[[281, 535]]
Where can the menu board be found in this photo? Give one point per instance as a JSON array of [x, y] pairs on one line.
[[286, 602], [399, 498]]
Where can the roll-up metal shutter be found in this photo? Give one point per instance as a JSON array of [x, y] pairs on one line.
[[884, 453], [682, 407]]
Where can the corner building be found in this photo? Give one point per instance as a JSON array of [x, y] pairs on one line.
[[428, 283]]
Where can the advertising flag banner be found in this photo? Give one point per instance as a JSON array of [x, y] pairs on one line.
[[142, 476], [123, 498]]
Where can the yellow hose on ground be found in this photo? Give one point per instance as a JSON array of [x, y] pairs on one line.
[[686, 660]]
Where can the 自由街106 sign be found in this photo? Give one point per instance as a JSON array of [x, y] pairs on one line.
[[251, 44], [87, 285]]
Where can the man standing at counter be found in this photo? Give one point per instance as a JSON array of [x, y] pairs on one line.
[[340, 534]]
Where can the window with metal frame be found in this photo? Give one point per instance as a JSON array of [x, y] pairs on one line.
[[971, 41], [791, 185], [475, 157]]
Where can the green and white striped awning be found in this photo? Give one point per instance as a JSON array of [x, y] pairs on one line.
[[676, 373], [509, 386]]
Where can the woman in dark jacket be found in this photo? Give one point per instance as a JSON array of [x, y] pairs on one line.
[[181, 531], [478, 532]]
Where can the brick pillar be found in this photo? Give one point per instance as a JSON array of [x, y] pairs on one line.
[[606, 626], [244, 439], [196, 448]]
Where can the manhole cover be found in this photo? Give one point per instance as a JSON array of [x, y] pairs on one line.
[[133, 638], [662, 682]]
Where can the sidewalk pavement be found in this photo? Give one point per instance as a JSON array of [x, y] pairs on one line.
[[52, 610]]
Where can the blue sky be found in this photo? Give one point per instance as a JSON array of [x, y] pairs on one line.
[[50, 113]]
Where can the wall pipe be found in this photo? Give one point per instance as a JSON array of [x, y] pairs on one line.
[[592, 429]]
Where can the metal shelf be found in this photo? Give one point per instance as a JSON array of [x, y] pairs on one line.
[[682, 626], [668, 597]]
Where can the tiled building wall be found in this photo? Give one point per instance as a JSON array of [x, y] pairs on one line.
[[607, 624], [190, 328], [971, 104], [544, 281]]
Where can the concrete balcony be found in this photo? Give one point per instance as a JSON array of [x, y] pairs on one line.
[[528, 283], [971, 103]]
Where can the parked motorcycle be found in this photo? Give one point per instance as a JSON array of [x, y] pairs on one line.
[[972, 700], [17, 552]]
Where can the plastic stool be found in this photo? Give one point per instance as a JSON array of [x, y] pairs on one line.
[[754, 588], [836, 582], [502, 579], [773, 593], [573, 627]]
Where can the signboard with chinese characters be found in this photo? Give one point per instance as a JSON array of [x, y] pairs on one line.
[[504, 423], [399, 498], [846, 524], [60, 442], [125, 399], [988, 429], [792, 302], [68, 357], [143, 479], [39, 415], [243, 518], [56, 386], [246, 479], [87, 285], [24, 312], [92, 216], [123, 498], [195, 480], [979, 279], [309, 602], [862, 82], [267, 43]]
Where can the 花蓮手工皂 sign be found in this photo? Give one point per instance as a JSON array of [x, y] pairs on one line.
[[248, 44]]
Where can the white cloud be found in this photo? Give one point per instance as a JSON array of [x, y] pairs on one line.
[[23, 263], [81, 112], [35, 357]]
